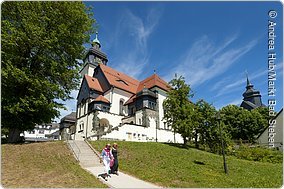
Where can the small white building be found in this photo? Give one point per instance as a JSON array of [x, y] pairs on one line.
[[272, 136], [112, 105], [43, 132]]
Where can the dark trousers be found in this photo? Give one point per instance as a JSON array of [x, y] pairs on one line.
[[114, 168]]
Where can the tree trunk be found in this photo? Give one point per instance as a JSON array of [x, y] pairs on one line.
[[14, 135], [184, 141]]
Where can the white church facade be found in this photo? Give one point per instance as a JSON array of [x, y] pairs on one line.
[[112, 105]]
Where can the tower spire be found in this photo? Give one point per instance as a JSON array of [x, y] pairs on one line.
[[248, 82]]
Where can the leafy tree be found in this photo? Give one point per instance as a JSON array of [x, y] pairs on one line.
[[178, 110], [244, 124], [264, 111], [208, 131], [41, 42], [206, 114]]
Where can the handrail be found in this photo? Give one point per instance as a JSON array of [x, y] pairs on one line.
[[93, 149], [77, 156]]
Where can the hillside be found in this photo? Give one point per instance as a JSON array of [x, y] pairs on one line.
[[171, 166], [48, 165]]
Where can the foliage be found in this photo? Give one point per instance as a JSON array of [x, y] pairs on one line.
[[174, 166], [178, 110], [257, 154], [41, 42], [43, 165], [243, 124]]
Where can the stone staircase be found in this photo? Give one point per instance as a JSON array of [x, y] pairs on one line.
[[83, 153]]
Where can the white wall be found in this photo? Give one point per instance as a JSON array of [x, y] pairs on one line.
[[114, 120], [37, 134], [129, 132], [87, 121], [138, 116], [107, 95], [88, 69], [116, 96]]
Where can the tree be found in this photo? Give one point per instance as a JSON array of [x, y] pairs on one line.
[[178, 110], [244, 124], [41, 42], [207, 123]]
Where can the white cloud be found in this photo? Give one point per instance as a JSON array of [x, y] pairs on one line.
[[132, 59], [231, 84], [206, 60]]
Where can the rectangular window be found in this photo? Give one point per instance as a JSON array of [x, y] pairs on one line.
[[79, 107], [85, 106]]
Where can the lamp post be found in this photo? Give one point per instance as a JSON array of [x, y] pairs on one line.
[[222, 143]]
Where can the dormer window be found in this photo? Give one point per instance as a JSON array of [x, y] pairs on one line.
[[121, 81]]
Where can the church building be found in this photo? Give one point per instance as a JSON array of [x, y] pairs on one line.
[[112, 105], [252, 97]]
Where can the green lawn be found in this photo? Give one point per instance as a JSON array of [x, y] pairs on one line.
[[43, 165], [172, 166]]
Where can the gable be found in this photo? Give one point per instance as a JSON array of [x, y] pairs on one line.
[[119, 80], [83, 92], [153, 81], [93, 83], [102, 80]]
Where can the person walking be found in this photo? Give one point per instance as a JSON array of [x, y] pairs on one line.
[[114, 151], [106, 157]]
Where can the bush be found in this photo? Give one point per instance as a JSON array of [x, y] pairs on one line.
[[257, 154]]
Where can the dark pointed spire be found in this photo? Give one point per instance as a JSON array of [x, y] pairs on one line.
[[249, 85], [252, 97]]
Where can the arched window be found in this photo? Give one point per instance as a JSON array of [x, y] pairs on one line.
[[121, 107]]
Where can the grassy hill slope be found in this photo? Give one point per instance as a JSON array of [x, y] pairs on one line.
[[172, 166], [48, 165]]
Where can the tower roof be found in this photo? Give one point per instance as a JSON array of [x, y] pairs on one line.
[[96, 40], [252, 97], [249, 85]]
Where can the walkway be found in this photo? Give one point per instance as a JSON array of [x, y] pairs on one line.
[[89, 160]]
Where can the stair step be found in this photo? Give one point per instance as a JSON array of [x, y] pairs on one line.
[[85, 154]]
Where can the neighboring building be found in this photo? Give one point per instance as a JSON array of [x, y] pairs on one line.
[[252, 97], [43, 132], [273, 134], [67, 126], [113, 105]]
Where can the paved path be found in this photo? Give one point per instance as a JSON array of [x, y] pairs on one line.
[[122, 180], [89, 160]]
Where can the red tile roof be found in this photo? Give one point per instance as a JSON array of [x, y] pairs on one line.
[[125, 82], [101, 98], [120, 80], [153, 81], [93, 83]]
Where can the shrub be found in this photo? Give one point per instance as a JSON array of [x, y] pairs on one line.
[[257, 154]]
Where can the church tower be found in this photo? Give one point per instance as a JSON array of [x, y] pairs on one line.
[[93, 58], [252, 97]]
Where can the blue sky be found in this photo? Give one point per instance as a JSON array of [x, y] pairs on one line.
[[212, 44]]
